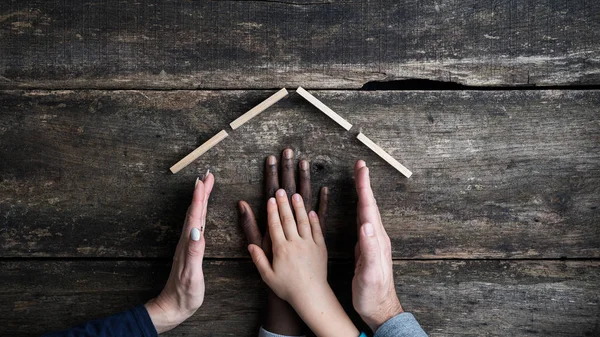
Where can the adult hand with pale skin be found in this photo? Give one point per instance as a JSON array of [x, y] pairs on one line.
[[184, 292], [373, 292], [281, 318]]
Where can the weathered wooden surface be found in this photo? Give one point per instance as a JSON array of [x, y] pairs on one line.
[[466, 298], [497, 174], [316, 44]]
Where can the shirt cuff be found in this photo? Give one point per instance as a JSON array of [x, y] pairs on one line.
[[265, 333], [401, 325], [144, 321]]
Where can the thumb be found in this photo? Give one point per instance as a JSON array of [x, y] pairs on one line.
[[370, 254], [261, 262]]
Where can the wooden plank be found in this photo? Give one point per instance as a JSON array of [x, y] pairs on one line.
[[449, 298], [258, 109], [384, 155], [501, 174], [200, 150], [324, 108], [315, 44]]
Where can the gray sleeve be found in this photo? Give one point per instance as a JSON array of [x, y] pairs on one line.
[[402, 325], [264, 333]]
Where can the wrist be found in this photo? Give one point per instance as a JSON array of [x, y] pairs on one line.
[[320, 309], [385, 312], [163, 316], [281, 318]]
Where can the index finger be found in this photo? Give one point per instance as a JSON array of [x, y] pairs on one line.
[[274, 222], [194, 217], [247, 221], [367, 206]]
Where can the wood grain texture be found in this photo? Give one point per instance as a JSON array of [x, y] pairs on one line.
[[449, 298], [496, 174], [324, 108], [315, 44], [384, 155], [200, 150], [262, 106]]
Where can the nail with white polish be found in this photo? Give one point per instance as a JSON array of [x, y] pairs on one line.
[[195, 234]]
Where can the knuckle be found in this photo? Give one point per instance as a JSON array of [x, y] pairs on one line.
[[247, 223], [371, 280], [271, 191], [194, 251], [288, 164]]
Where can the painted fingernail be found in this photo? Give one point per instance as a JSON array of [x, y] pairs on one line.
[[196, 184], [195, 235], [288, 153], [280, 193], [304, 165], [296, 197], [368, 229], [271, 160]]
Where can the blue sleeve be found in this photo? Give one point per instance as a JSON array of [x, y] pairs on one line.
[[265, 333], [131, 323], [402, 325]]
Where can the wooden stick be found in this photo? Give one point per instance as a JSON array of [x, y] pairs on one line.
[[258, 109], [369, 143], [199, 151], [326, 110]]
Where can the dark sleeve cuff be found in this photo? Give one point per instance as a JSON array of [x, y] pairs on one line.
[[134, 322], [144, 321], [402, 325]]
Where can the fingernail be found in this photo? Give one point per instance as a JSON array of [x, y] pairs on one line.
[[312, 214], [296, 197], [271, 160], [280, 193], [325, 190], [272, 200], [241, 208], [206, 175], [196, 184], [195, 235], [368, 229], [304, 165], [288, 153]]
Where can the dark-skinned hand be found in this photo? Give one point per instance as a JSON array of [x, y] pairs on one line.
[[281, 317]]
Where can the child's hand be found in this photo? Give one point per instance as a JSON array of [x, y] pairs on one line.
[[298, 273], [281, 318], [299, 252]]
